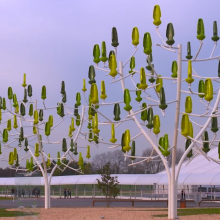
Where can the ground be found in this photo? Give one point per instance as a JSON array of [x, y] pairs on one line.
[[81, 208], [96, 213]]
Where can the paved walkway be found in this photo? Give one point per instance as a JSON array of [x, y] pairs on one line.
[[87, 202]]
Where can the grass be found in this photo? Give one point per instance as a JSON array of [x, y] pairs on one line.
[[194, 211], [6, 198], [5, 213]]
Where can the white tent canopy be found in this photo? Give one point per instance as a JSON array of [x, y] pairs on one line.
[[124, 179], [199, 171]]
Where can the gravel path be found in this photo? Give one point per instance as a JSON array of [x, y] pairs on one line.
[[108, 213]]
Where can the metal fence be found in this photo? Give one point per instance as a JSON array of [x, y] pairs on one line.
[[88, 191]]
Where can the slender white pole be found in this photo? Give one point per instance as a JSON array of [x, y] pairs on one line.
[[46, 185], [173, 193]]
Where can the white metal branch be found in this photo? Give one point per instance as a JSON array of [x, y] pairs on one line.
[[215, 45], [200, 47], [131, 56]]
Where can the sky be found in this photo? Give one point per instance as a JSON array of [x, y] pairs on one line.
[[52, 41]]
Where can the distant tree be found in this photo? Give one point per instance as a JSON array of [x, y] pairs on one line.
[[65, 171], [87, 168], [108, 184], [7, 172], [115, 159], [156, 166], [118, 165]]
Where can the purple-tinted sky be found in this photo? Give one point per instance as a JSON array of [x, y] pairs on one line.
[[53, 40]]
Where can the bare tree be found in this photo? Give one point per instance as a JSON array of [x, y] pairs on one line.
[[156, 166], [119, 165], [115, 160]]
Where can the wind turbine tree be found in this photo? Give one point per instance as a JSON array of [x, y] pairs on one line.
[[151, 102], [28, 128]]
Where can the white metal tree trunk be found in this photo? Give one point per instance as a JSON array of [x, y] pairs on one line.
[[172, 211]]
